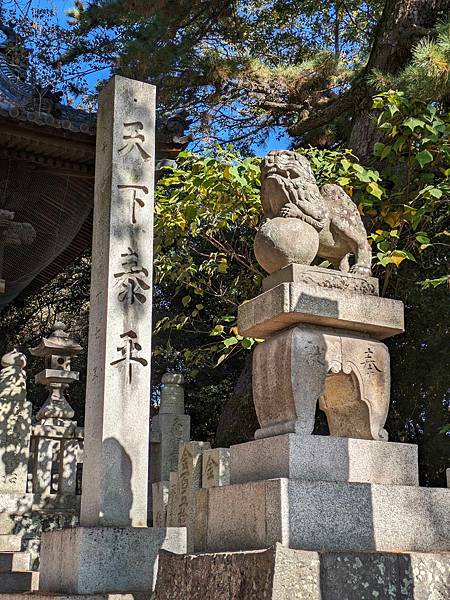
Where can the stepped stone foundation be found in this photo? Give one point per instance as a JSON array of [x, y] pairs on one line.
[[280, 573]]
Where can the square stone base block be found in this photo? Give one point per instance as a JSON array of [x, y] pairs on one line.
[[324, 458], [91, 560], [328, 516], [283, 574], [289, 304]]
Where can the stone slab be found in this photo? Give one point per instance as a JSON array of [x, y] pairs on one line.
[[216, 467], [325, 458], [14, 561], [289, 304], [189, 481], [160, 491], [91, 560], [10, 543], [328, 516], [283, 574], [19, 582], [173, 429], [317, 277], [43, 596]]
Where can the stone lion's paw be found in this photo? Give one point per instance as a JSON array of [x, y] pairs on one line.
[[289, 210], [360, 270]]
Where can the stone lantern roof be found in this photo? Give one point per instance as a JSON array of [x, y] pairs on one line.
[[59, 343]]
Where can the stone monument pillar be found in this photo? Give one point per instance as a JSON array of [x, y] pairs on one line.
[[113, 550], [335, 511]]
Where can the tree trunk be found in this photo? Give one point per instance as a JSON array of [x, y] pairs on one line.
[[402, 24]]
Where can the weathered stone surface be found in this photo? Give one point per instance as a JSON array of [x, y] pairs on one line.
[[173, 429], [216, 467], [90, 560], [350, 374], [14, 561], [44, 455], [318, 279], [172, 506], [10, 543], [115, 470], [58, 350], [19, 582], [273, 574], [324, 458], [160, 490], [15, 424], [172, 425], [328, 516], [328, 222], [282, 574], [13, 508], [200, 525], [189, 481], [43, 596], [289, 304], [283, 240]]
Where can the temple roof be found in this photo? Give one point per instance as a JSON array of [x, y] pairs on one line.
[[47, 163]]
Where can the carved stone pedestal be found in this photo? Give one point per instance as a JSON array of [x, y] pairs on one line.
[[322, 331], [351, 491], [349, 373]]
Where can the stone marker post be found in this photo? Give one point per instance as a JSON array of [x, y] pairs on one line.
[[173, 426], [118, 385], [113, 550]]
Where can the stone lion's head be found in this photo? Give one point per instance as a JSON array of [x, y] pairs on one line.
[[288, 164]]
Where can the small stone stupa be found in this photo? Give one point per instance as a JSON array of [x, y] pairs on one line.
[[309, 517]]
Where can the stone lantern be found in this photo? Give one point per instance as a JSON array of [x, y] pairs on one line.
[[58, 351]]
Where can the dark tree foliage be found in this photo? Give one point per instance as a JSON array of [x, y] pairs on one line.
[[243, 67]]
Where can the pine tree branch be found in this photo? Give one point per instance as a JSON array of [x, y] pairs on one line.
[[321, 117]]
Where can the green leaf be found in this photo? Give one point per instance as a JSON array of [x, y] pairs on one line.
[[422, 238], [218, 329], [412, 123], [386, 151], [375, 190], [185, 300], [232, 341], [424, 157], [426, 283], [378, 148], [247, 343]]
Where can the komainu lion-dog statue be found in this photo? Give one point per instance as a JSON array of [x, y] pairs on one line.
[[303, 221]]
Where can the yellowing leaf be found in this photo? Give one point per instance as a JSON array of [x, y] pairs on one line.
[[396, 259], [393, 219]]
